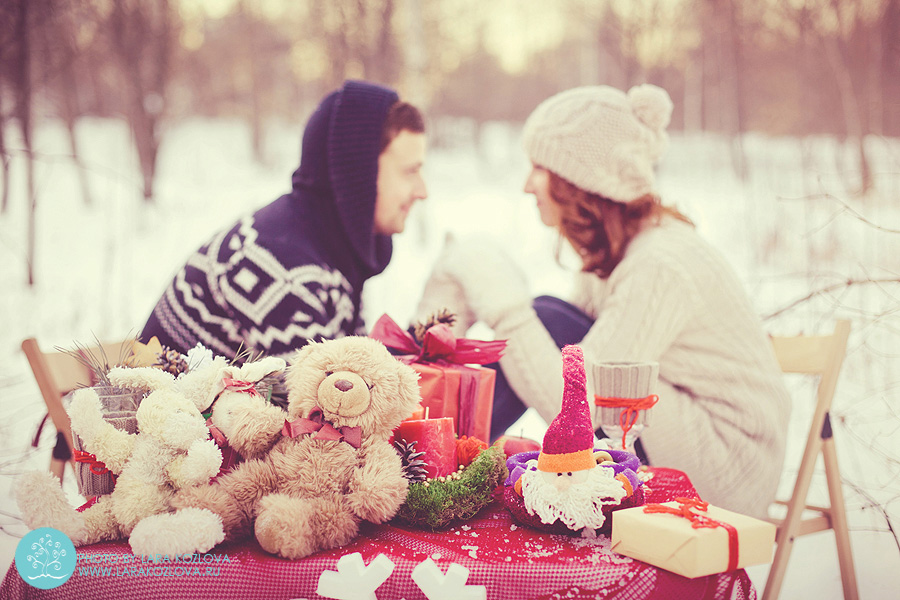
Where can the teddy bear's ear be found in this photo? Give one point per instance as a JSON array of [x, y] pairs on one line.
[[303, 353], [410, 393], [256, 371]]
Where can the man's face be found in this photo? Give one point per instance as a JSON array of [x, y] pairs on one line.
[[400, 183]]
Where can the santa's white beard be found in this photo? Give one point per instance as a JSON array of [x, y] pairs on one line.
[[578, 506]]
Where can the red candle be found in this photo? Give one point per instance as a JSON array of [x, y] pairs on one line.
[[434, 437], [417, 413]]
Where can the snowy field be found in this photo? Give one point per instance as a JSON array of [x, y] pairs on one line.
[[791, 228]]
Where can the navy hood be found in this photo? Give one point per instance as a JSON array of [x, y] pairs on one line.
[[339, 167]]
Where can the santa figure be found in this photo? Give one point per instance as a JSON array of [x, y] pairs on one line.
[[565, 483]]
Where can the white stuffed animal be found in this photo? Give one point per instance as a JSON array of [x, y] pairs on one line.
[[171, 451]]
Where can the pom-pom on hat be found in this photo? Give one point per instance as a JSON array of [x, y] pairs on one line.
[[569, 441], [601, 139]]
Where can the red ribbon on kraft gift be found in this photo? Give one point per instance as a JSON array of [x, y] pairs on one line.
[[439, 344], [700, 521]]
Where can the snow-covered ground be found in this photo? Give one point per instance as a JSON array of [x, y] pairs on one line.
[[788, 230]]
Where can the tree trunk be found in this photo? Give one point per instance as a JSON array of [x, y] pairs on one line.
[[22, 81], [4, 157], [69, 95], [738, 155], [838, 56]]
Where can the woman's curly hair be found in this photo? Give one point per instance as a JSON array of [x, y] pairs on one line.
[[600, 229]]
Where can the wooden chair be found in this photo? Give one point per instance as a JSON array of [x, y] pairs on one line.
[[57, 374], [822, 356]]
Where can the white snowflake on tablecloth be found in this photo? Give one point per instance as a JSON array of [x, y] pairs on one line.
[[452, 586], [353, 580]]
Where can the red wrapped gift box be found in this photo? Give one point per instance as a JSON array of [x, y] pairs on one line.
[[448, 386]]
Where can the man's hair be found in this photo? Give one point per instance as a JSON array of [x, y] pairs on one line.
[[600, 229], [402, 116]]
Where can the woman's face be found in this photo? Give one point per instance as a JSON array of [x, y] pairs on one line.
[[538, 183]]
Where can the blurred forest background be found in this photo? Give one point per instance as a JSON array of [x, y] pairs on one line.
[[797, 67], [131, 129]]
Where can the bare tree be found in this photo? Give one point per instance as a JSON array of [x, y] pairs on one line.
[[142, 34], [59, 53], [21, 13]]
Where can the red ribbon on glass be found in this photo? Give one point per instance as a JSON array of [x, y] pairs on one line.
[[322, 429], [630, 407], [97, 467], [439, 344], [700, 521]]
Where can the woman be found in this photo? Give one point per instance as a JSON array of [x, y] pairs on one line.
[[650, 290]]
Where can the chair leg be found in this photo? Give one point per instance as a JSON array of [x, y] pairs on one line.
[[58, 467], [839, 520], [790, 527]]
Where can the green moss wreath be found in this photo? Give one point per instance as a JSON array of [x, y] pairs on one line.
[[433, 504]]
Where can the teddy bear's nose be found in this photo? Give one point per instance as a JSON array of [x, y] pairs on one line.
[[343, 385]]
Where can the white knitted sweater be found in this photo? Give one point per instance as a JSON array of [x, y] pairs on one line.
[[723, 406]]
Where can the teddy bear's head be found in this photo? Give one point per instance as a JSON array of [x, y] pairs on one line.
[[171, 419], [355, 382]]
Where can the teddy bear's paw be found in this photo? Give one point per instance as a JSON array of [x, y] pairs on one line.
[[185, 531], [43, 504], [377, 505], [278, 536], [296, 527]]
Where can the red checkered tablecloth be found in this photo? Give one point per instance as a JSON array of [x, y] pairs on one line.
[[512, 561]]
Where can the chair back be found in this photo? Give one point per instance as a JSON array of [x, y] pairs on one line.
[[821, 355], [57, 373]]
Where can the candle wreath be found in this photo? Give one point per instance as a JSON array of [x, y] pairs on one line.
[[435, 503]]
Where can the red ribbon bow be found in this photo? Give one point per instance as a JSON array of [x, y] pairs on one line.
[[439, 344], [238, 386], [322, 429], [630, 408], [700, 521]]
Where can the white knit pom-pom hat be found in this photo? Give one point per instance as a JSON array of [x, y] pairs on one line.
[[601, 139]]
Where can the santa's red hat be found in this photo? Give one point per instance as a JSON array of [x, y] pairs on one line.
[[569, 441]]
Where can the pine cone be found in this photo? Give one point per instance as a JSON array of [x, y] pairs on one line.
[[414, 468], [442, 316], [171, 361]]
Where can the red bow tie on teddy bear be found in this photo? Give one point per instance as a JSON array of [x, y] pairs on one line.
[[322, 429]]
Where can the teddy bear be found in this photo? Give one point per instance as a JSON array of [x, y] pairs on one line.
[[323, 467]]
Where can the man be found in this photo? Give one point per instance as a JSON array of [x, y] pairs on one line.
[[294, 270]]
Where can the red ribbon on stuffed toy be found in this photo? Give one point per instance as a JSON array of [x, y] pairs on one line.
[[439, 344], [698, 521], [322, 429], [238, 386]]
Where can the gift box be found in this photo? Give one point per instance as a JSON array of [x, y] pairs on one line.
[[692, 538], [452, 381]]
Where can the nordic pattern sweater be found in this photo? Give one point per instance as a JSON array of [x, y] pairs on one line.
[[723, 406], [294, 270]]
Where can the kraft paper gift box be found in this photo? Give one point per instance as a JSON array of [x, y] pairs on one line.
[[451, 381], [673, 542]]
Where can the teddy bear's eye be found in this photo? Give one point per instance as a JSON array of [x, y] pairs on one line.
[[329, 373], [368, 385]]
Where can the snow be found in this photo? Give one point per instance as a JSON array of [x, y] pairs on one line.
[[790, 229]]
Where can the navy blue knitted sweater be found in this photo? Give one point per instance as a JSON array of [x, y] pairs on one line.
[[294, 270]]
